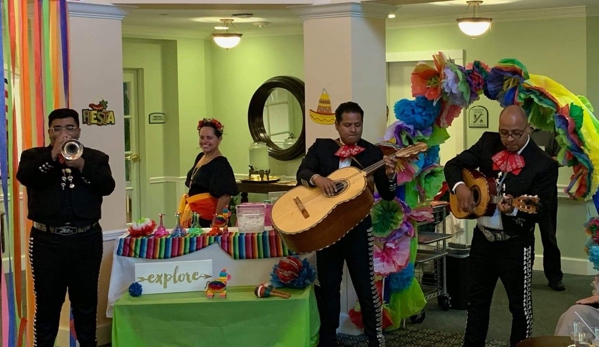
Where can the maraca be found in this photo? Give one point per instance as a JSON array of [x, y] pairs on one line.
[[264, 291]]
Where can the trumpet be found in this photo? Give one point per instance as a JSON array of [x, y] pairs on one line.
[[71, 149]]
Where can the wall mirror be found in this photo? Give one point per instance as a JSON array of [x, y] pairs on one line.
[[276, 117]]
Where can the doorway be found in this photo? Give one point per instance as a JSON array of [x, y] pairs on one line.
[[131, 115]]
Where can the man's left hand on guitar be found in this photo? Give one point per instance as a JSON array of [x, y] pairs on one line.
[[505, 205], [390, 163]]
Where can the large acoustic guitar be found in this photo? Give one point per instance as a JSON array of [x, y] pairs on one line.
[[309, 220], [486, 197]]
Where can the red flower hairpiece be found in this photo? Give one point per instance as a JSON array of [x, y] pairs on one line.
[[202, 123]]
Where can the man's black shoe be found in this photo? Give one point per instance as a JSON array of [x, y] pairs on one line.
[[558, 286]]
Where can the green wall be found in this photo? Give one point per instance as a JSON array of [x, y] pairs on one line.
[[236, 74]]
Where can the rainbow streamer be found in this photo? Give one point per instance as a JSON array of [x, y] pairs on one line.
[[23, 120]]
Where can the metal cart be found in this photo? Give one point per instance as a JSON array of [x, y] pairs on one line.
[[431, 266]]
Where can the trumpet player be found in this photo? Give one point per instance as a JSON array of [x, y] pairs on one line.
[[65, 185]]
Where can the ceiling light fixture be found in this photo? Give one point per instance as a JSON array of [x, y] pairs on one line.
[[227, 40], [391, 15], [474, 26]]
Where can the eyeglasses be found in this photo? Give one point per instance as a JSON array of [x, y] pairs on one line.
[[516, 134], [68, 128]]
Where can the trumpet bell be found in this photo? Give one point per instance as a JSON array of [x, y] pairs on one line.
[[72, 150]]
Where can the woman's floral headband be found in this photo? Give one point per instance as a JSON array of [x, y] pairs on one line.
[[202, 123]]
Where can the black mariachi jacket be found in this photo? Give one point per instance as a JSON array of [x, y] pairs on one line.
[[538, 177], [43, 177]]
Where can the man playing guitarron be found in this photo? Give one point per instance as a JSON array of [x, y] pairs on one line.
[[356, 247], [502, 245]]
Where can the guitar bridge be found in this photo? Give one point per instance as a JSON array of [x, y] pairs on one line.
[[301, 207]]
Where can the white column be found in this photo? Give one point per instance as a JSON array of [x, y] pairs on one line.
[[344, 53]]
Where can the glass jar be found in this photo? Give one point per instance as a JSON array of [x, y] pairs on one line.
[[259, 156]]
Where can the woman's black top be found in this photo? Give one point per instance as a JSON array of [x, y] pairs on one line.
[[216, 178]]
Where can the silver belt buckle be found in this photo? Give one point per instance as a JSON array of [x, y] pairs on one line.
[[65, 231]]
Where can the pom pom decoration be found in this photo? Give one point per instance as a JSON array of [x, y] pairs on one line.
[[293, 273], [142, 227], [594, 256], [135, 289], [591, 227], [400, 281], [419, 113]]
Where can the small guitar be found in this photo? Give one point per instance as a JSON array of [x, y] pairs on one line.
[[308, 220], [484, 192]]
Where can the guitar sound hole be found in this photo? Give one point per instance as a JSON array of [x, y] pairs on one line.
[[476, 196], [340, 187]]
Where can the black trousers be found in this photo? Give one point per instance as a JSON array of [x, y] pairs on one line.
[[510, 261], [552, 265], [60, 264], [355, 248]]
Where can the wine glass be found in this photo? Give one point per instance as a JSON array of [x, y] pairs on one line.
[[579, 336]]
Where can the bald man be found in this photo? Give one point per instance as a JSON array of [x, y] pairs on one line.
[[502, 244]]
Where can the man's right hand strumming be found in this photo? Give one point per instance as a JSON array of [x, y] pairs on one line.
[[465, 198], [326, 185]]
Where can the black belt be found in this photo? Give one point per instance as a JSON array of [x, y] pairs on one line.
[[64, 230], [493, 235]]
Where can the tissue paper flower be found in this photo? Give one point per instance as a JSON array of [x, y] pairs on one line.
[[419, 113], [293, 273], [400, 281], [386, 217], [142, 227]]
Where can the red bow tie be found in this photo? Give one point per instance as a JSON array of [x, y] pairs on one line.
[[349, 151], [508, 162]]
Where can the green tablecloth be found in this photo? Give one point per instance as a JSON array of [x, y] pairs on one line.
[[191, 319]]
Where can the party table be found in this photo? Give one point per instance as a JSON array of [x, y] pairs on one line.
[[241, 319], [248, 257]]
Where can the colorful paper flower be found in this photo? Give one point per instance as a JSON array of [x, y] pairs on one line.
[[142, 227], [293, 273], [390, 257], [419, 113], [594, 256], [386, 217], [402, 280]]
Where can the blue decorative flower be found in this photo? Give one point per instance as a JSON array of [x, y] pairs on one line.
[[135, 289], [419, 113], [400, 281], [594, 256], [432, 156]]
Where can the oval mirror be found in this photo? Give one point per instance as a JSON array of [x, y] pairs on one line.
[[276, 117]]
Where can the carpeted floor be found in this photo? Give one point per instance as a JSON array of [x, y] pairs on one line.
[[414, 336]]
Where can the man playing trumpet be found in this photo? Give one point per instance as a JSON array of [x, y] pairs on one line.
[[65, 247]]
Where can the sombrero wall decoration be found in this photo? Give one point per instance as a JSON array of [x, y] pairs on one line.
[[323, 114]]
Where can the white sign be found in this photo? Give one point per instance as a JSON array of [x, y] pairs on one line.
[[174, 276]]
